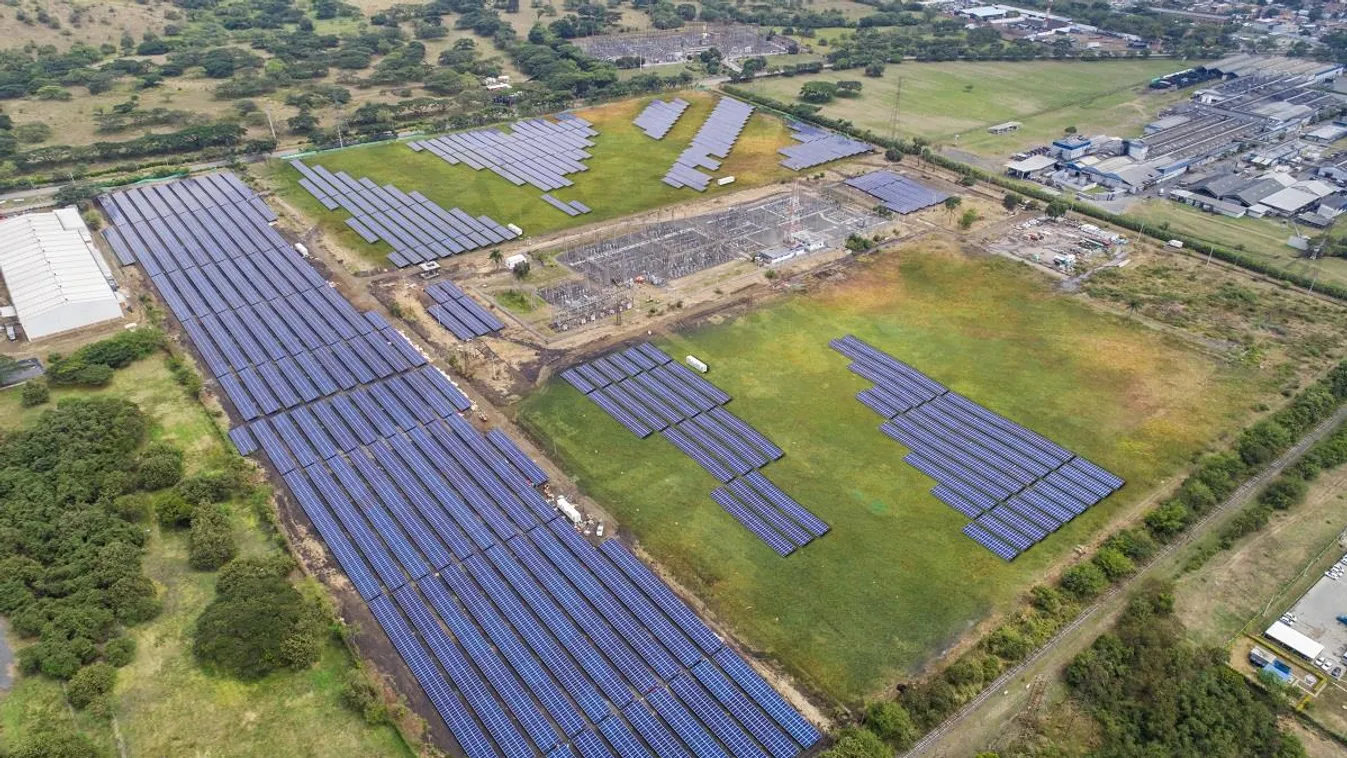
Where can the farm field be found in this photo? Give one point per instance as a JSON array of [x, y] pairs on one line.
[[623, 177], [895, 584], [1262, 237], [163, 703], [942, 100]]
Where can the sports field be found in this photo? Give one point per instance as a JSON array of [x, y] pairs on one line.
[[941, 100], [623, 177], [895, 583], [1262, 237]]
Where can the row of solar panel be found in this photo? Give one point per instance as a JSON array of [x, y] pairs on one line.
[[716, 137], [770, 514], [460, 314], [643, 389], [897, 193], [392, 503], [204, 191], [193, 237], [1015, 484], [528, 578], [417, 228], [238, 341], [659, 117], [573, 208], [818, 147], [536, 152]]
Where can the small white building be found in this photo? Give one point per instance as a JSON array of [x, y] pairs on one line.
[[57, 279], [1294, 641]]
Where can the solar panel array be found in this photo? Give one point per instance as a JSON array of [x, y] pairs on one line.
[[459, 313], [527, 639], [897, 193], [537, 152], [149, 225], [659, 117], [573, 208], [818, 146], [1016, 486], [646, 391], [418, 229], [716, 138]]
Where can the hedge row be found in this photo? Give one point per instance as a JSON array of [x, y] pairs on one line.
[[1193, 244]]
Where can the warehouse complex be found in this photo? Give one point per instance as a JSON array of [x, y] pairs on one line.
[[57, 280]]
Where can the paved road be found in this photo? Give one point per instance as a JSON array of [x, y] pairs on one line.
[[1239, 498]]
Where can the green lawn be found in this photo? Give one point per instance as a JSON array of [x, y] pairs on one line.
[[1263, 237], [941, 100], [623, 177], [895, 583], [163, 704]]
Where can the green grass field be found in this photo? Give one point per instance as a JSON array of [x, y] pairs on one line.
[[895, 583], [623, 177], [164, 705], [1262, 237], [941, 100]]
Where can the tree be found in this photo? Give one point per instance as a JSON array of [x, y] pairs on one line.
[[893, 155], [875, 70], [496, 257], [90, 683], [849, 88], [1011, 201], [303, 122], [258, 622], [521, 270], [1056, 209], [818, 92], [211, 542], [952, 204], [35, 392], [1284, 492], [967, 220], [1084, 581]]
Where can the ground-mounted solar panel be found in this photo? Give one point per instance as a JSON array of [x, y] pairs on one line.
[[752, 522], [818, 146], [526, 638]]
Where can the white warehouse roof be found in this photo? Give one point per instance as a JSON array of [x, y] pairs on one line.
[[1293, 640], [53, 274]]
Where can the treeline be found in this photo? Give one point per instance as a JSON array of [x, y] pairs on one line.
[[921, 706], [188, 140], [1191, 244]]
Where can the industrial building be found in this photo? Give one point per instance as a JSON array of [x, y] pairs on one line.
[[57, 279], [1250, 105], [1294, 641]]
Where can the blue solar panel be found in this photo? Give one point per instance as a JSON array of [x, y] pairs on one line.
[[662, 596], [653, 731], [752, 522], [715, 717]]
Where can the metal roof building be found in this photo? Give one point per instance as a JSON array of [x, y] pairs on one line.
[[54, 274], [1294, 641]]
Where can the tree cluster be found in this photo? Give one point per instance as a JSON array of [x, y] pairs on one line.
[[70, 566], [93, 364], [258, 622]]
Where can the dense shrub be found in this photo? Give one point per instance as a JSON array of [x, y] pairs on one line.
[[858, 743], [258, 622], [211, 542], [119, 652], [56, 740], [173, 511], [1084, 581], [891, 723], [92, 364], [90, 683], [160, 466], [361, 696], [1284, 492], [209, 487], [35, 392]]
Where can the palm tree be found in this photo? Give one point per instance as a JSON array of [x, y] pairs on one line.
[[496, 257], [952, 203]]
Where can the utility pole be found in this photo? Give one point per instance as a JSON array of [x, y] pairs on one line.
[[270, 125], [893, 117]]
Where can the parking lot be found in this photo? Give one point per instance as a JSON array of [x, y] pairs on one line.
[[1316, 616]]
